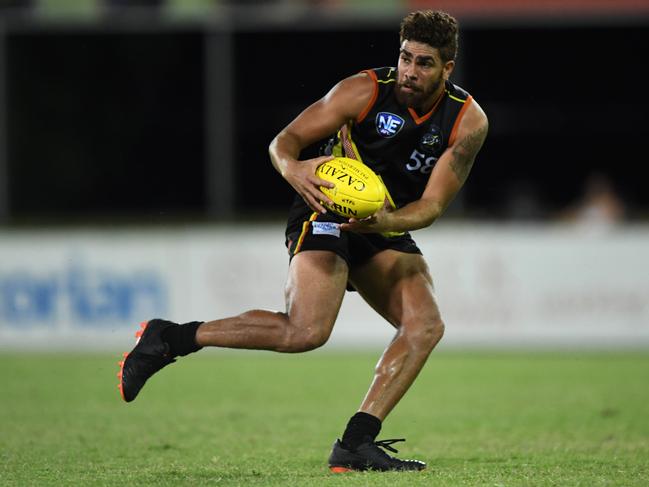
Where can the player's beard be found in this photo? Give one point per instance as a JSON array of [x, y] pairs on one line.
[[420, 97]]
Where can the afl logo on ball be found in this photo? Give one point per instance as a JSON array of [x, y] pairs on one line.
[[388, 124]]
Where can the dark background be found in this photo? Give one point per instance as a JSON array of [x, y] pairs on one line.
[[112, 124]]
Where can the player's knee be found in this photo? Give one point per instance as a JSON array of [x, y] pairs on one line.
[[313, 340], [302, 338], [426, 334], [437, 330]]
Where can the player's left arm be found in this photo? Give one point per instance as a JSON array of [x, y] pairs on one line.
[[447, 177]]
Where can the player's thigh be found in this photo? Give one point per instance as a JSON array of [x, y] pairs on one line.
[[399, 287], [315, 288]]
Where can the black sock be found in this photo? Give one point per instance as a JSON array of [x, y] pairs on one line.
[[362, 428], [182, 338]]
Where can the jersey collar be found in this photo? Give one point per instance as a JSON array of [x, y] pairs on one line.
[[419, 120]]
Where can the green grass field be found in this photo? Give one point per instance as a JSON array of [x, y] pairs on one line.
[[224, 418]]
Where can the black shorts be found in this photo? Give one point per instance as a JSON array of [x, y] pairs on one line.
[[307, 230]]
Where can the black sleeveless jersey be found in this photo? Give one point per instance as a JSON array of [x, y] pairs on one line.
[[400, 145]]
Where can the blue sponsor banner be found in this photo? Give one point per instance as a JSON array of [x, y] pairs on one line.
[[80, 295]]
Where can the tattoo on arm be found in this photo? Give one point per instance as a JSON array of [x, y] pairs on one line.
[[465, 151]]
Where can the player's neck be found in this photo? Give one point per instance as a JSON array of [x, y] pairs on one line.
[[432, 100]]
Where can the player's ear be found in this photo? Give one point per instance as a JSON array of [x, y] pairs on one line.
[[448, 69]]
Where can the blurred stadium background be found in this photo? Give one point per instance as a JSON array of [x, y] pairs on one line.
[[135, 182]]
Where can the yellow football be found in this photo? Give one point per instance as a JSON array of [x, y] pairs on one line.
[[358, 191]]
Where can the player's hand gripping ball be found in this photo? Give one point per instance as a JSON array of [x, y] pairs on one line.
[[358, 191]]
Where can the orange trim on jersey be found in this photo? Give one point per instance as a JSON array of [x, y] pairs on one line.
[[305, 230], [451, 139], [375, 95], [419, 120]]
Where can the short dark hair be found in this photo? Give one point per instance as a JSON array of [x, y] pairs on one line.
[[433, 27]]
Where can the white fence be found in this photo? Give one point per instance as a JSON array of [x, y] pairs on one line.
[[497, 285]]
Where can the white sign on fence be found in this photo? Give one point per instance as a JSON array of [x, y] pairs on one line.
[[497, 285]]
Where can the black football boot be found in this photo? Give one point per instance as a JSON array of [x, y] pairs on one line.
[[369, 456], [150, 354]]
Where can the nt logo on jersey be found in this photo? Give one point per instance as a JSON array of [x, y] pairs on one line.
[[388, 124]]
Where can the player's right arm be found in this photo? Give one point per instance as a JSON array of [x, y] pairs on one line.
[[344, 102]]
